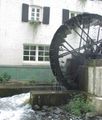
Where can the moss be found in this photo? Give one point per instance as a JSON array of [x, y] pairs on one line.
[[94, 62]]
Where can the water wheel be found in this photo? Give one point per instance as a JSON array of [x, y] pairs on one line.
[[76, 41]]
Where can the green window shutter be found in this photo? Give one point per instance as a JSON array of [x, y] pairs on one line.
[[46, 15], [65, 15], [25, 8]]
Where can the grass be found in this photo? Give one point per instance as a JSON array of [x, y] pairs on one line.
[[79, 105]]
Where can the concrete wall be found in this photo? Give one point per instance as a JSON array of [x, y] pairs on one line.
[[38, 74], [95, 83], [95, 77]]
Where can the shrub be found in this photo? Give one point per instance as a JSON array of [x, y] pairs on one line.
[[79, 106], [4, 77]]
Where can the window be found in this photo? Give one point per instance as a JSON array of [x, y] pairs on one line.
[[43, 53], [35, 13], [29, 53], [35, 53]]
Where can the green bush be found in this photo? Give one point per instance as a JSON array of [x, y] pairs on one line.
[[79, 106], [4, 77]]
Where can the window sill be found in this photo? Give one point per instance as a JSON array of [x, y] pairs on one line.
[[36, 63]]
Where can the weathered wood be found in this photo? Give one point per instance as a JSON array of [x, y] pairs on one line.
[[48, 98]]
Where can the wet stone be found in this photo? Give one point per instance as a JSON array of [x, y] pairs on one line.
[[45, 107], [57, 113], [36, 107], [99, 117], [90, 115]]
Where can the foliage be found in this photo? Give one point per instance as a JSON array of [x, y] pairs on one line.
[[34, 23], [35, 82], [31, 82], [82, 2], [79, 106], [4, 77]]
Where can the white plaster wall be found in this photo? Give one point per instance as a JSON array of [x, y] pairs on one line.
[[14, 33]]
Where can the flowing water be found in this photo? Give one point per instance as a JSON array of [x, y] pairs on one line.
[[16, 107]]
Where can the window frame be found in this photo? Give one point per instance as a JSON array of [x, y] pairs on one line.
[[36, 19], [43, 51], [29, 50], [36, 54]]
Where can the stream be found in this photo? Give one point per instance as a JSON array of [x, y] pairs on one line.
[[16, 107]]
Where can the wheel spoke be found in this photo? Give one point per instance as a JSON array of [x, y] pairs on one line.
[[81, 39], [98, 34], [80, 35], [88, 32], [71, 47], [64, 54], [76, 23], [67, 49], [77, 49]]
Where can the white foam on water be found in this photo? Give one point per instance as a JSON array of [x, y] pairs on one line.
[[16, 107]]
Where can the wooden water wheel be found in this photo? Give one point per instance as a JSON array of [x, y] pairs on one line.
[[76, 41]]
